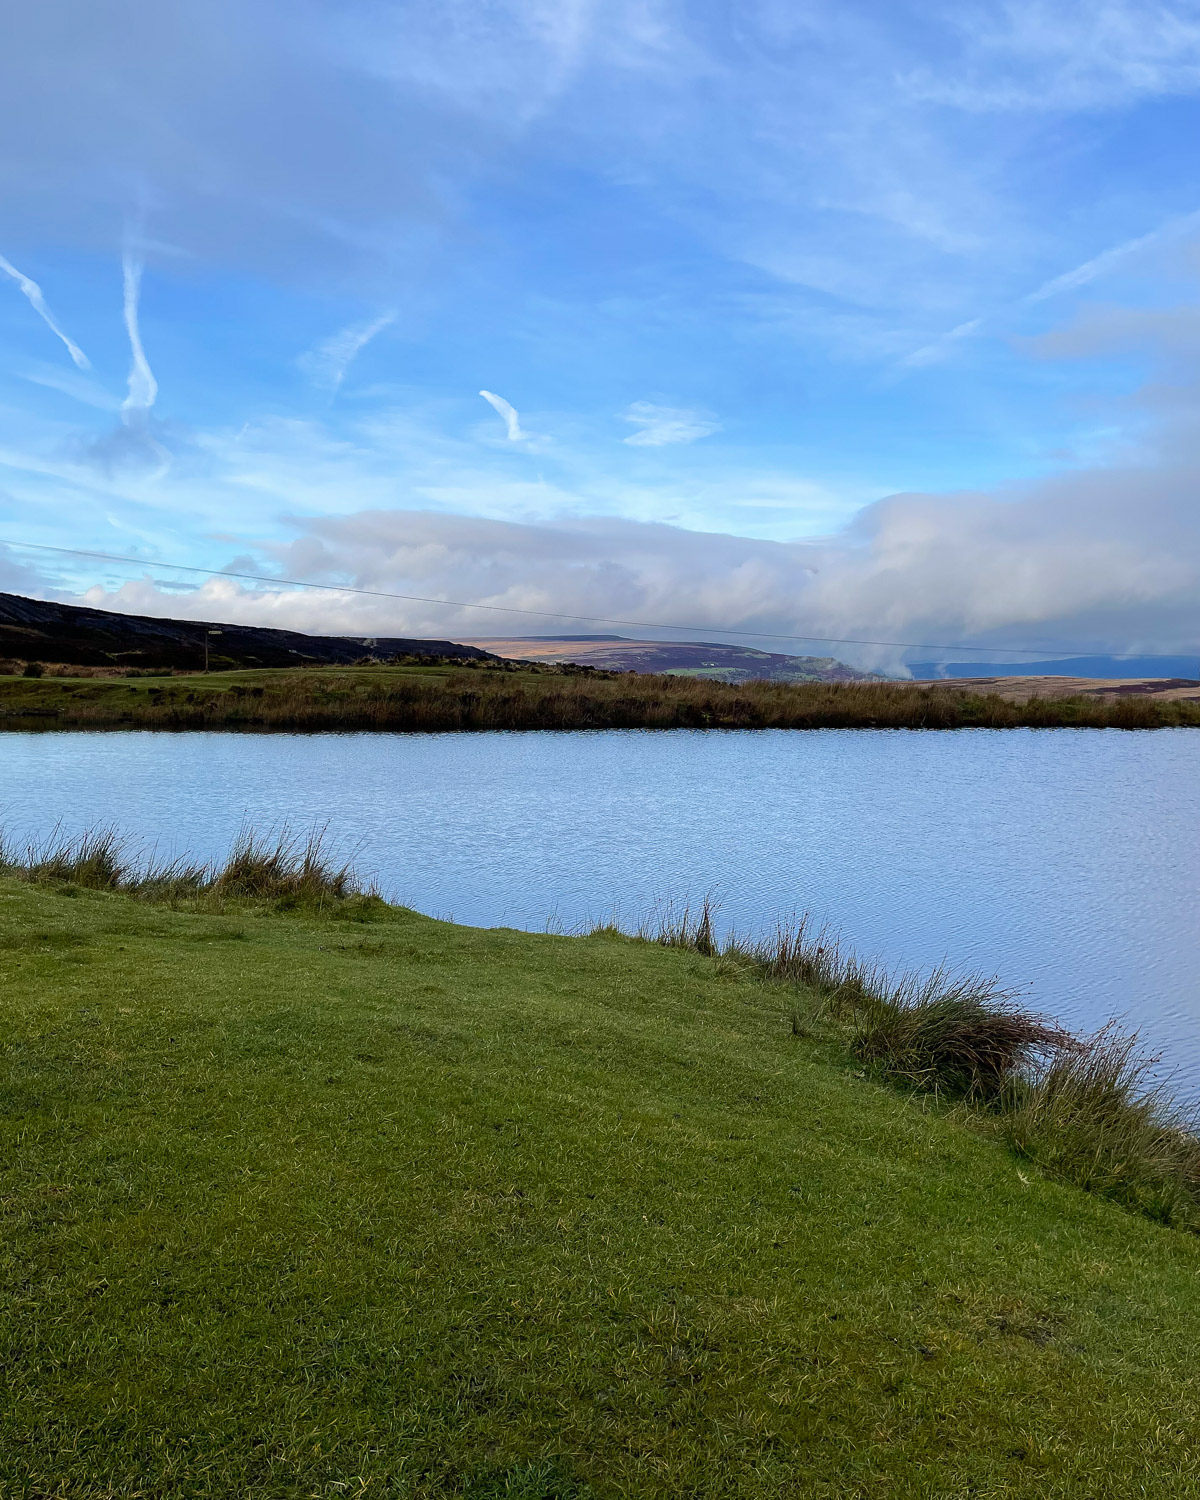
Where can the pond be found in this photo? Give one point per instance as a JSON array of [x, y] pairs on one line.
[[1066, 862]]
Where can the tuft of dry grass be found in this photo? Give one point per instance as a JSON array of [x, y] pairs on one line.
[[95, 860], [1084, 1110], [956, 1036], [684, 927], [1094, 1116], [490, 697], [284, 869]]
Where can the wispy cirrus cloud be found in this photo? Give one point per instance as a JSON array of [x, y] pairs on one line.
[[327, 364], [33, 295], [1178, 228], [660, 426], [763, 205], [929, 354], [143, 388], [1039, 55], [81, 388], [134, 442]]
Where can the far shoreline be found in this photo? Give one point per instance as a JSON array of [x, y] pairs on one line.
[[514, 696]]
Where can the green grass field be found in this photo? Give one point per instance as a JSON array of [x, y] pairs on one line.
[[303, 1206]]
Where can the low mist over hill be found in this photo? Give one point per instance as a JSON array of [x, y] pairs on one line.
[[1107, 667]]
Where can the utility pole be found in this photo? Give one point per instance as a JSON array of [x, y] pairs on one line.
[[207, 633]]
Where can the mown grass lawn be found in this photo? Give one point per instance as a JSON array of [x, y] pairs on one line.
[[298, 1206]]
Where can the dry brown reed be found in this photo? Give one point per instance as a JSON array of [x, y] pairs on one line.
[[493, 698], [1095, 1116], [94, 859], [283, 869], [683, 927]]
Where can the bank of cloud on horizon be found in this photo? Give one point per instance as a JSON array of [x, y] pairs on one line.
[[853, 320]]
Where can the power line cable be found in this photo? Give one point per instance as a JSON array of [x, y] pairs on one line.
[[545, 614]]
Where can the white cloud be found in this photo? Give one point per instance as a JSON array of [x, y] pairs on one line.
[[328, 363], [1066, 54], [1100, 561], [143, 388], [33, 295], [79, 387], [1096, 268], [659, 425], [506, 410], [1106, 559]]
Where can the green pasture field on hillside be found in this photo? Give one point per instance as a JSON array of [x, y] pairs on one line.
[[302, 1206]]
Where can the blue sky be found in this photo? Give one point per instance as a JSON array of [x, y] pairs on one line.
[[852, 319]]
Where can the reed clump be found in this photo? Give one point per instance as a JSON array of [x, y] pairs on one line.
[[94, 860], [488, 697], [1094, 1116], [958, 1037], [1085, 1111], [682, 927], [955, 1035], [283, 870]]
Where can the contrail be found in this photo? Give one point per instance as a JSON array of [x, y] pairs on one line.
[[931, 352], [1069, 281], [34, 294], [1090, 270], [509, 412], [143, 388], [329, 361]]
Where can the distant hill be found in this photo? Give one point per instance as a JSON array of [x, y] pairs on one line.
[[709, 659], [1070, 666], [35, 630]]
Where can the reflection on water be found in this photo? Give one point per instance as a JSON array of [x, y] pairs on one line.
[[1065, 861]]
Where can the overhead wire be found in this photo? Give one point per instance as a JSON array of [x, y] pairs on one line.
[[544, 614]]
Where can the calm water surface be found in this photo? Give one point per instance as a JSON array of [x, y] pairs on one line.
[[1065, 861]]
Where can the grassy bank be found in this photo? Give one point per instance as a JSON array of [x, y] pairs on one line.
[[306, 1196], [441, 698]]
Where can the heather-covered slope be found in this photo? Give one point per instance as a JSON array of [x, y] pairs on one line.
[[35, 630], [714, 660]]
